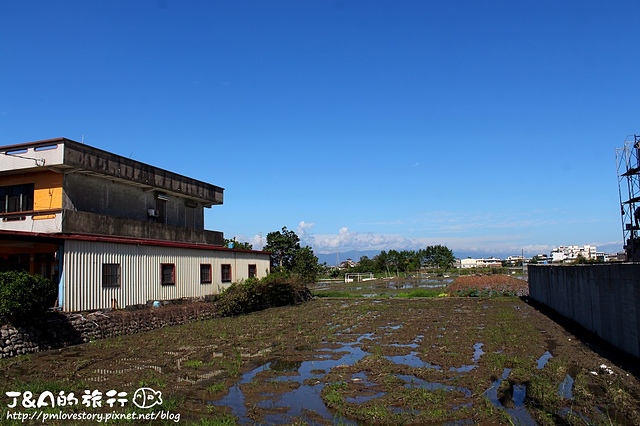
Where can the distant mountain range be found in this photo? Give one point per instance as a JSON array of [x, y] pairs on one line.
[[333, 259]]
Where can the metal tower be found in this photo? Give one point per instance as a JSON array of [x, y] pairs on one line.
[[628, 163]]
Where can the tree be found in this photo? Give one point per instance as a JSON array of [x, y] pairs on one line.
[[366, 265], [440, 256], [287, 256], [283, 246], [383, 262], [305, 264], [237, 244]]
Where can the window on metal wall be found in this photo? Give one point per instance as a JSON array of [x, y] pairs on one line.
[[168, 273], [253, 271], [16, 198], [110, 275], [226, 273], [205, 273]]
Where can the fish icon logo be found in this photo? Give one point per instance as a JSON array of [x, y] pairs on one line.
[[147, 398]]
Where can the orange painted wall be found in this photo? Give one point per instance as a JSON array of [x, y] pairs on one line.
[[47, 191]]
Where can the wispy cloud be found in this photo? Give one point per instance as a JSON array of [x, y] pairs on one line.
[[479, 232]]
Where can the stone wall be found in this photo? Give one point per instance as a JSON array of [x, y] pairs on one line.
[[57, 329], [603, 298]]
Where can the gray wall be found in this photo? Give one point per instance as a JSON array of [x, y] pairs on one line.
[[77, 222], [98, 195], [603, 298]]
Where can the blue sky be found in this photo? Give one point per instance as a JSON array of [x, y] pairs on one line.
[[488, 126]]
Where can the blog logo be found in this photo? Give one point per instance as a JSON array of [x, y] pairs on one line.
[[147, 398]]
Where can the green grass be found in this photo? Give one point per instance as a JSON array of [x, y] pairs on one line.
[[421, 292], [234, 365], [224, 420], [193, 363], [152, 379], [216, 387], [332, 394], [332, 293]]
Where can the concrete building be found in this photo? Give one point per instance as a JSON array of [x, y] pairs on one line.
[[490, 262], [570, 253], [112, 231]]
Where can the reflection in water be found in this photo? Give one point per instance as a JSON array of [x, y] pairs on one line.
[[512, 401], [477, 351], [565, 390], [306, 398], [412, 360], [301, 400], [542, 361], [414, 382]]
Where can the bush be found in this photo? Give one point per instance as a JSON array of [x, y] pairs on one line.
[[24, 295], [254, 294]]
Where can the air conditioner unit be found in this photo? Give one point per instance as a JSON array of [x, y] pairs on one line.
[[153, 213]]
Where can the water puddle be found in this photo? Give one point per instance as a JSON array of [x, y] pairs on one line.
[[365, 396], [463, 369], [414, 382], [392, 327], [306, 397], [542, 361], [477, 352], [303, 398], [565, 390], [512, 400], [412, 360]]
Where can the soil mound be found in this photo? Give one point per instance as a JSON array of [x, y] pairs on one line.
[[477, 285]]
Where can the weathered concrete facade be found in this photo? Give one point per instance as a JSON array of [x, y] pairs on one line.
[[90, 223], [112, 231], [603, 298]]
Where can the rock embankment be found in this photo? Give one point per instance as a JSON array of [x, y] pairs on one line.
[[56, 329]]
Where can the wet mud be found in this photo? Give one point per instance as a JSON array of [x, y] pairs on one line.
[[361, 361]]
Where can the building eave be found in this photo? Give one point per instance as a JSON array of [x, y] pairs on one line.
[[85, 159], [121, 240]]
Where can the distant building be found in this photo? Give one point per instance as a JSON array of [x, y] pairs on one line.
[[566, 254], [513, 260], [347, 264], [111, 231], [490, 262]]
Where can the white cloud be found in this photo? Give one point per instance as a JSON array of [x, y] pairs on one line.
[[306, 239], [346, 240], [485, 233]]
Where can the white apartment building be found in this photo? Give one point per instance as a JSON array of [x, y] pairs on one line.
[[480, 263], [571, 253]]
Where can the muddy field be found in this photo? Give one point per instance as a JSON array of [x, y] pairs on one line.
[[352, 362]]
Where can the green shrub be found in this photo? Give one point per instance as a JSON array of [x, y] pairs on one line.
[[253, 294], [24, 295]]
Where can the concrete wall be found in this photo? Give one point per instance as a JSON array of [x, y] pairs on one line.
[[603, 298], [118, 199], [76, 222], [93, 160]]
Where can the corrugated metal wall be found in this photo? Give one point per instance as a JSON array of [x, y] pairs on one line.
[[140, 273]]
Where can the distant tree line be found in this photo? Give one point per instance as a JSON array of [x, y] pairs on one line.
[[290, 258], [394, 262]]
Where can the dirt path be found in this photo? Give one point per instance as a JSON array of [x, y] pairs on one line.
[[355, 361]]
